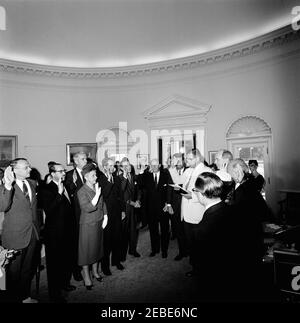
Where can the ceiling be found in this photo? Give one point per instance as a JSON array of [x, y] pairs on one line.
[[111, 33]]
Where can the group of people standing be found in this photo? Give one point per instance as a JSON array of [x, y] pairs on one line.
[[93, 214]]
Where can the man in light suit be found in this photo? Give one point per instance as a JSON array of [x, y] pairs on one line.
[[191, 209], [74, 181], [20, 228]]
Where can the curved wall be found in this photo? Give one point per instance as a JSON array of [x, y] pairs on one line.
[[46, 112]]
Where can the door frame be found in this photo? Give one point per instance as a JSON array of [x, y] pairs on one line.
[[267, 139]]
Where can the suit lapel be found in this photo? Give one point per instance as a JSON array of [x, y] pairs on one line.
[[33, 196]]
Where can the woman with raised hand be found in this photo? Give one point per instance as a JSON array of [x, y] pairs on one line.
[[93, 219]]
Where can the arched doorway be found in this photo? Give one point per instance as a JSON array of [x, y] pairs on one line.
[[250, 137]]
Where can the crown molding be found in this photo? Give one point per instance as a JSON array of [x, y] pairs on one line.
[[276, 38]]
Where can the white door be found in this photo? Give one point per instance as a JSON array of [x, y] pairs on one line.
[[254, 148]]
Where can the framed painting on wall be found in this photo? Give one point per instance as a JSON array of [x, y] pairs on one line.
[[89, 148], [212, 156], [8, 149]]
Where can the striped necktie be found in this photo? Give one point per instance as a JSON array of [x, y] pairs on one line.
[[25, 191]]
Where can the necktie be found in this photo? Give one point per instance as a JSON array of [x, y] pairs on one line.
[[129, 178], [155, 179], [66, 195], [25, 191], [111, 179]]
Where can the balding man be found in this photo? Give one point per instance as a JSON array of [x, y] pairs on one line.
[[191, 209], [155, 184], [20, 227], [74, 181]]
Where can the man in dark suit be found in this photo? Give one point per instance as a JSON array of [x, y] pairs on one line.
[[131, 196], [154, 186], [74, 181], [59, 234], [215, 243], [250, 211], [174, 208], [20, 228], [111, 191]]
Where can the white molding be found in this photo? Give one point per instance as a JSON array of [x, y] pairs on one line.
[[248, 126], [272, 39], [192, 117]]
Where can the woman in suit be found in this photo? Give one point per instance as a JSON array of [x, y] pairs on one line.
[[93, 219]]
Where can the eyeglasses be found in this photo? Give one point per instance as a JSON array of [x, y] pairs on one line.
[[61, 171]]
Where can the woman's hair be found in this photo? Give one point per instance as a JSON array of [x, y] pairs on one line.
[[210, 185], [88, 168]]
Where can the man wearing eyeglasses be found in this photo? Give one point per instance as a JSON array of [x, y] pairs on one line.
[[20, 228], [60, 229]]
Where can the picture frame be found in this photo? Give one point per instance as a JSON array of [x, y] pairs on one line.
[[142, 160], [8, 149], [212, 156], [72, 148]]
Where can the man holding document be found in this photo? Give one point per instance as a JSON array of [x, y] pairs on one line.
[[191, 209]]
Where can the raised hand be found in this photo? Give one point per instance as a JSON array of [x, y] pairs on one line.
[[60, 186], [9, 177], [97, 189]]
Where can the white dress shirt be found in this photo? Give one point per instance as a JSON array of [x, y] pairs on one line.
[[191, 209]]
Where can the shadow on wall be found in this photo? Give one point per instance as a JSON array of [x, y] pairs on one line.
[[286, 179]]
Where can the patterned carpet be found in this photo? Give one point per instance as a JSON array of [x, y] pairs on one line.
[[144, 280]]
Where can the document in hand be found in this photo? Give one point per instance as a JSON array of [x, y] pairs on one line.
[[179, 189]]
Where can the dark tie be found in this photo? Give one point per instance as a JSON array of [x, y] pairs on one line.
[[25, 191], [155, 179], [111, 179]]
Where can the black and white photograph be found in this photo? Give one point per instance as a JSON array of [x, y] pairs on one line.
[[149, 154]]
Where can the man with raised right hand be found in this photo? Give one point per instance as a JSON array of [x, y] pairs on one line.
[[20, 228]]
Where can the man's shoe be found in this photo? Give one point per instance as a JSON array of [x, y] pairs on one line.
[[152, 254], [29, 300], [106, 272], [69, 288], [135, 254], [120, 266], [164, 254]]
